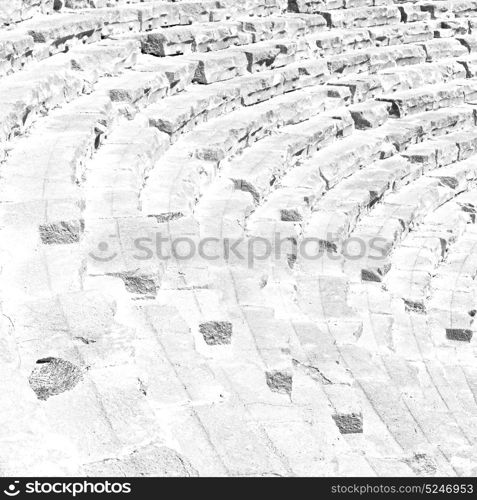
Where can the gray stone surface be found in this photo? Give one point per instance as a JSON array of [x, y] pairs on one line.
[[238, 238]]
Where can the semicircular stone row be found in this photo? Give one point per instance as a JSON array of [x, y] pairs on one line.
[[238, 238]]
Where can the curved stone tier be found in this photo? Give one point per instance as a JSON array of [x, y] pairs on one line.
[[238, 238]]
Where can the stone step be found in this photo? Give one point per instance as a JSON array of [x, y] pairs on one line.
[[412, 12], [116, 175], [287, 26], [430, 97], [412, 129], [391, 219], [180, 114], [258, 7], [55, 81], [62, 30], [363, 87], [374, 60], [314, 6], [337, 41], [335, 162], [448, 10], [136, 88], [16, 49], [60, 147], [257, 123], [205, 37], [398, 34], [362, 16], [50, 210], [209, 145], [21, 10], [229, 63], [417, 259], [445, 150], [445, 47], [336, 214], [262, 165], [451, 311], [369, 115]]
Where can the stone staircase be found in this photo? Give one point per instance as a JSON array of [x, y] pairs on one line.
[[237, 238]]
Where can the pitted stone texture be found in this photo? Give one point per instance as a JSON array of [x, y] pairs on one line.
[[61, 233], [53, 376], [280, 381], [216, 332], [349, 423]]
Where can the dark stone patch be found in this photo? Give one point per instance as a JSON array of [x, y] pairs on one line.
[[61, 233], [140, 284], [451, 182], [280, 381], [413, 306], [291, 259], [460, 334], [52, 376], [243, 185], [168, 217], [290, 215], [216, 332], [367, 275], [349, 423], [376, 274]]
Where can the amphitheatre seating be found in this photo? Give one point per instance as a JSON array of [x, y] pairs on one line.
[[253, 223]]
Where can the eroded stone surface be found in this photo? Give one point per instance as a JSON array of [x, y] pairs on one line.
[[216, 332], [53, 376]]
